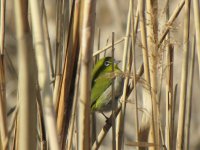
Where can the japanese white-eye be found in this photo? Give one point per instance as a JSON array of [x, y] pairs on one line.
[[102, 76]]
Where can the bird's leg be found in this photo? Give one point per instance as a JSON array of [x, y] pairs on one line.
[[104, 115], [108, 121]]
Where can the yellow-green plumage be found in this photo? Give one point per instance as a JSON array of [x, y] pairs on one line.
[[102, 75]]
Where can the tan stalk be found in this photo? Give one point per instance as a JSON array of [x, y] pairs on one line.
[[43, 74], [152, 34], [173, 116], [189, 97], [107, 47], [170, 21], [169, 96], [145, 123], [3, 118], [26, 80], [168, 86], [196, 9], [87, 40], [113, 97], [133, 39], [120, 121], [4, 139], [108, 124], [93, 116], [183, 88], [2, 27]]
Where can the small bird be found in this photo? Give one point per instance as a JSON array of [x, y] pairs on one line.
[[102, 76]]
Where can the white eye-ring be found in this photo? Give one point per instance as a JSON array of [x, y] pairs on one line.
[[106, 63]]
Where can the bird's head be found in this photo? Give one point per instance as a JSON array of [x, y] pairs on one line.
[[103, 66]]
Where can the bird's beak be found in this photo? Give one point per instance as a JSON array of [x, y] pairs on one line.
[[117, 61]]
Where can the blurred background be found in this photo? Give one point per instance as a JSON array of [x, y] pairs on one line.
[[111, 16]]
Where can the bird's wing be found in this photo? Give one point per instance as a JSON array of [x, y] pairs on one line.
[[99, 86]]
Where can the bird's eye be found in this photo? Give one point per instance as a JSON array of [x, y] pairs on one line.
[[106, 63]]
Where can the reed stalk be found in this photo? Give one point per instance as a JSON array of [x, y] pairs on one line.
[[120, 121], [174, 15], [87, 40], [47, 43], [189, 97], [196, 9], [113, 97], [4, 139], [43, 74], [26, 80], [145, 123], [108, 46], [169, 96], [183, 88], [173, 116], [133, 38], [3, 118], [152, 39]]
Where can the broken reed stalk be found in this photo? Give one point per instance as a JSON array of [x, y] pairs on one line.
[[26, 80], [189, 97], [173, 116], [87, 40], [133, 39], [196, 9], [113, 97], [183, 89], [145, 123], [43, 74], [169, 96], [4, 139], [120, 121], [108, 124]]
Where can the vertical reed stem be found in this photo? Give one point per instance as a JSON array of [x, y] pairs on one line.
[[183, 90], [26, 80], [189, 98], [87, 41], [43, 74]]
